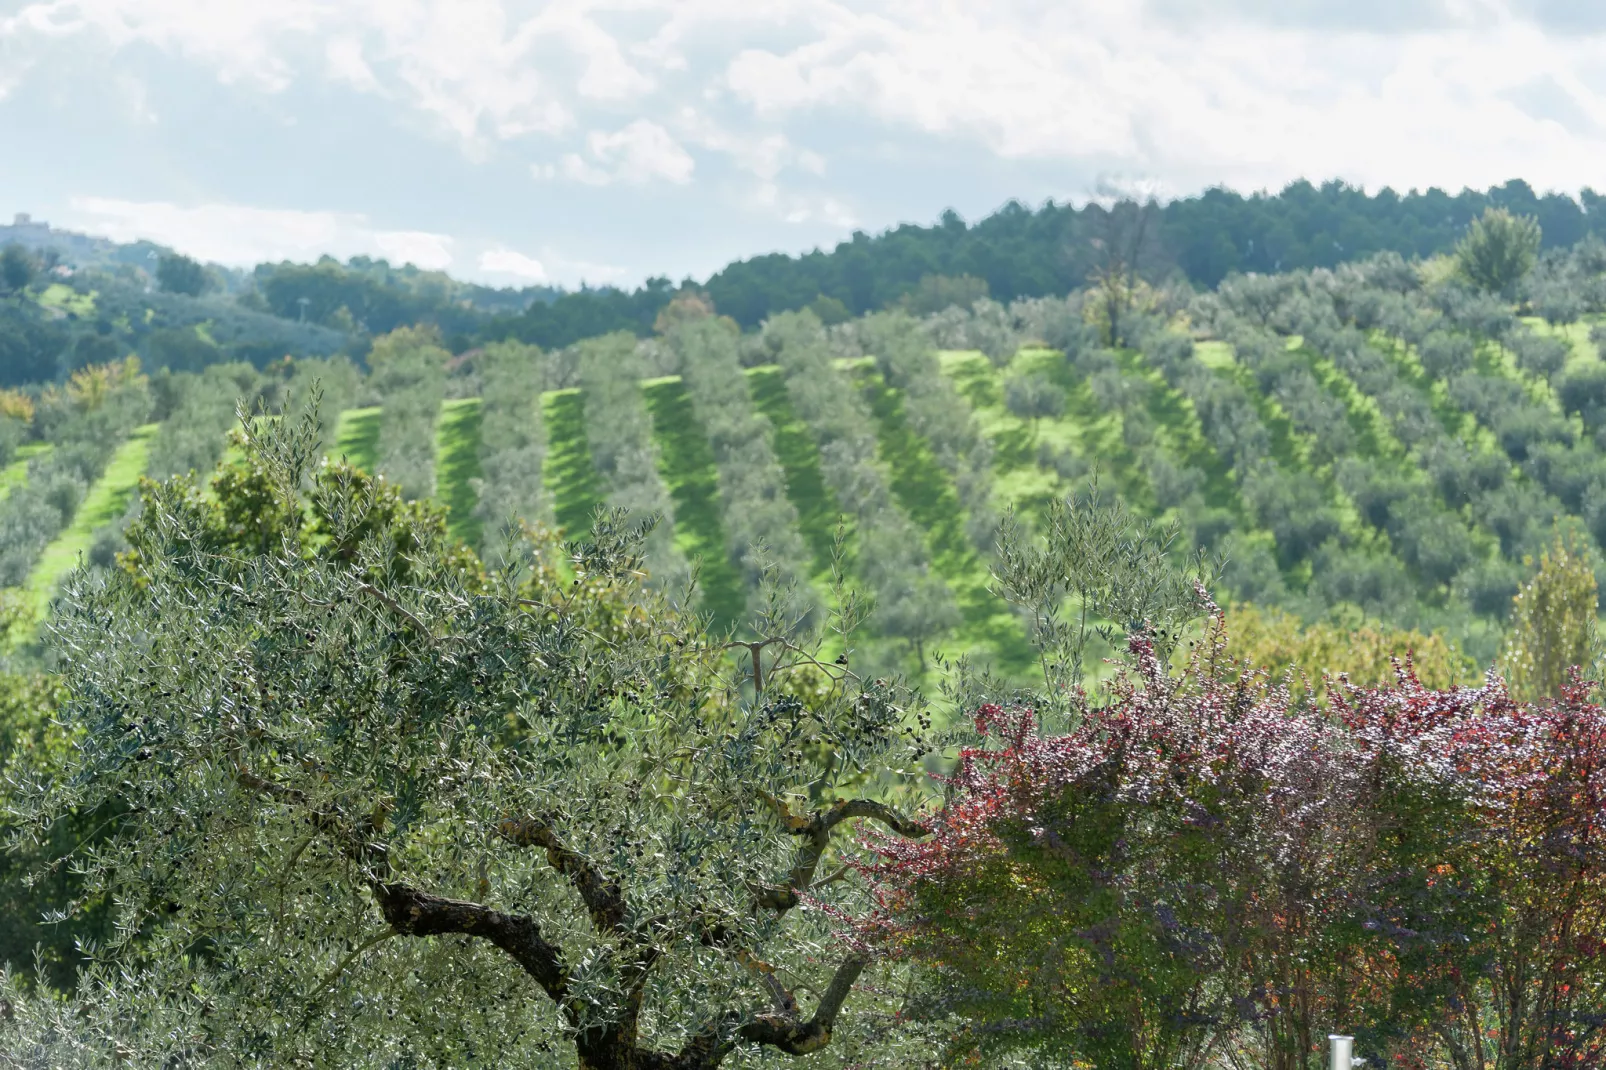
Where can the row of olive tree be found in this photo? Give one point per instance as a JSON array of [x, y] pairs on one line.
[[408, 368], [619, 434], [512, 439], [760, 521], [913, 602], [938, 413], [82, 424]]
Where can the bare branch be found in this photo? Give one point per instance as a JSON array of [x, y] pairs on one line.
[[411, 912], [826, 820], [393, 605], [604, 899], [817, 829], [786, 1033]]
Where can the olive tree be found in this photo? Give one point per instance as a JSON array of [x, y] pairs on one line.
[[380, 806], [1498, 250]]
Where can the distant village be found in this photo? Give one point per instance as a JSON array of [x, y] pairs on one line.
[[67, 251]]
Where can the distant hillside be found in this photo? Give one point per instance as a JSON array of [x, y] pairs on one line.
[[1017, 252], [75, 251], [1376, 441]]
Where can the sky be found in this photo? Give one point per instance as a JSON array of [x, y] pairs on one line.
[[521, 143]]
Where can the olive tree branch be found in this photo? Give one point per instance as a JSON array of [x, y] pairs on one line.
[[411, 912]]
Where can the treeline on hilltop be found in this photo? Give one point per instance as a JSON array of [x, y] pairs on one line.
[[187, 316]]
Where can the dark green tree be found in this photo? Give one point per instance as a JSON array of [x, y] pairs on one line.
[[17, 268], [178, 274], [1498, 250]]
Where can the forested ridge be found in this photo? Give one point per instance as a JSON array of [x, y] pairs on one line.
[[200, 315], [473, 701]]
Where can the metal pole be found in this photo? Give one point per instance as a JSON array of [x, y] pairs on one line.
[[1340, 1052]]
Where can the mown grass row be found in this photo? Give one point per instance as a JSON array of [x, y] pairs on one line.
[[924, 490], [686, 463], [108, 499]]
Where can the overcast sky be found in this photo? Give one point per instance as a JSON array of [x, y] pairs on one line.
[[519, 142]]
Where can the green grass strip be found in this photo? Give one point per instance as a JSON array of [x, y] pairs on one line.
[[106, 501], [1182, 435], [1101, 430], [1374, 439], [686, 462], [576, 491], [926, 493], [457, 464], [357, 437], [15, 474], [817, 509], [1018, 479], [1575, 334]]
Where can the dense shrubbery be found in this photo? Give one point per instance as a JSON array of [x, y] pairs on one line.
[[1200, 871]]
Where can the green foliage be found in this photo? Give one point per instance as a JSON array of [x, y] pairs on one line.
[[434, 817], [1553, 621], [178, 274], [619, 436], [200, 410], [691, 476], [1368, 653], [759, 520], [86, 422], [180, 349], [1498, 250], [17, 268], [367, 295], [1096, 572], [933, 293], [31, 345], [44, 917]]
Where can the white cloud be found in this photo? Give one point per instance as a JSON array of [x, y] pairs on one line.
[[636, 155], [241, 236], [807, 98], [507, 262]]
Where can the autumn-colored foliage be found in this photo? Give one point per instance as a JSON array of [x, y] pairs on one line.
[[1204, 870], [1366, 652], [1552, 620]]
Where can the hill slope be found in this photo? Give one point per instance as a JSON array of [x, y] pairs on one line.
[[1349, 440]]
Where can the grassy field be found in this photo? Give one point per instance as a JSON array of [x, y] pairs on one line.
[[817, 510], [457, 464], [357, 437], [15, 474], [106, 501], [568, 474], [60, 295]]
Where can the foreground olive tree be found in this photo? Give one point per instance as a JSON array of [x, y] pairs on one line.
[[381, 807]]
